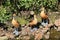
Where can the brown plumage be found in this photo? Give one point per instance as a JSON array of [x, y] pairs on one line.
[[44, 17], [34, 21], [43, 14], [15, 22]]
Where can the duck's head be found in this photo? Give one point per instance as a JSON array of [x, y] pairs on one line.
[[34, 16], [14, 14], [42, 9]]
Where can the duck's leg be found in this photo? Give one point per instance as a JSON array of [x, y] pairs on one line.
[[34, 29], [44, 22], [16, 32]]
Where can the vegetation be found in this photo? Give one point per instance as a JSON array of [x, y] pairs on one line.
[[4, 14], [8, 6]]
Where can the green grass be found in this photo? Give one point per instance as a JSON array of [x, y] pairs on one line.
[[22, 21]]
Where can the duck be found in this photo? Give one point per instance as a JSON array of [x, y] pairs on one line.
[[16, 25], [44, 17]]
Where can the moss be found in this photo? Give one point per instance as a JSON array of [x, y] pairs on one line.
[[22, 21]]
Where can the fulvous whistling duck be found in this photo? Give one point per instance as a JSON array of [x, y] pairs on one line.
[[34, 21], [44, 17], [33, 24], [15, 24]]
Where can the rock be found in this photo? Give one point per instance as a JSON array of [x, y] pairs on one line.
[[41, 27], [44, 30], [57, 22], [58, 29], [4, 38], [2, 32], [31, 12], [49, 25], [26, 37], [24, 31], [38, 36], [10, 35], [28, 30], [46, 36]]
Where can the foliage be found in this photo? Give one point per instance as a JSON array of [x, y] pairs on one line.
[[35, 4], [30, 4], [4, 16], [8, 6]]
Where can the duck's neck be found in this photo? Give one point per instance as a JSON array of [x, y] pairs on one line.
[[35, 17], [13, 17], [42, 11]]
